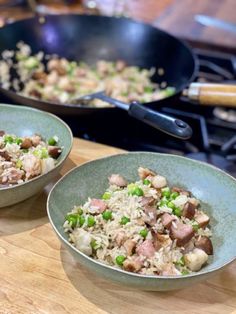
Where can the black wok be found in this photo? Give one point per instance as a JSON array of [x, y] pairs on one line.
[[90, 38]]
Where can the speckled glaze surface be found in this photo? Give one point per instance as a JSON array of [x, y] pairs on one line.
[[24, 121], [214, 188]]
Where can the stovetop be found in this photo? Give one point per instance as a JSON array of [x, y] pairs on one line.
[[214, 129]]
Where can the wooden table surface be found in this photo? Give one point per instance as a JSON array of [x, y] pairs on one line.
[[38, 276]]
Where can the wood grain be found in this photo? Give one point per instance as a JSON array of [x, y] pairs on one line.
[[38, 276]]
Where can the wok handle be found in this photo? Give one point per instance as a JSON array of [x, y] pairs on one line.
[[212, 94], [162, 122]]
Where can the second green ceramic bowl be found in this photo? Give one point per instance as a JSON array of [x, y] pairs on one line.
[[213, 187], [26, 121]]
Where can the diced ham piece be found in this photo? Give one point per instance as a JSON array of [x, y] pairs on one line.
[[205, 244], [181, 232], [196, 259], [194, 201], [167, 219], [129, 246], [147, 200], [117, 179], [189, 210], [2, 133], [180, 191], [146, 248], [145, 172], [170, 270], [160, 240], [151, 215], [202, 219], [99, 204], [120, 238], [134, 264]]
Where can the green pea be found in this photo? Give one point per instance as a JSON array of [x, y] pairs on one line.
[[174, 195], [165, 192], [177, 211], [81, 220], [143, 233], [146, 182], [195, 226], [106, 196], [124, 220], [107, 215], [120, 260], [18, 141], [90, 221], [79, 210], [72, 219], [171, 205], [52, 141], [135, 190], [180, 262]]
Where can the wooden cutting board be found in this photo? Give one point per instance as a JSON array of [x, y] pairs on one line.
[[38, 276]]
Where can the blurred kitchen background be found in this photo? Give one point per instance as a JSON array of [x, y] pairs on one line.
[[209, 26]]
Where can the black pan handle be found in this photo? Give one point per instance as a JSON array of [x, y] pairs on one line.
[[159, 121]]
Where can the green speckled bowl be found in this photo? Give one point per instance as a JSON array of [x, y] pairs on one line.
[[24, 121], [215, 189]]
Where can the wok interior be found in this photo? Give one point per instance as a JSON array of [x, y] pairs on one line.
[[92, 38], [214, 189]]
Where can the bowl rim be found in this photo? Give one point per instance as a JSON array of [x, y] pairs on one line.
[[53, 116], [112, 268]]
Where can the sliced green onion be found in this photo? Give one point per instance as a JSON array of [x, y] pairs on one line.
[[31, 63], [19, 164], [185, 272], [171, 205], [148, 89], [165, 192], [106, 196], [174, 195], [177, 211]]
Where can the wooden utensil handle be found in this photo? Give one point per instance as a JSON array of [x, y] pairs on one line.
[[212, 94]]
